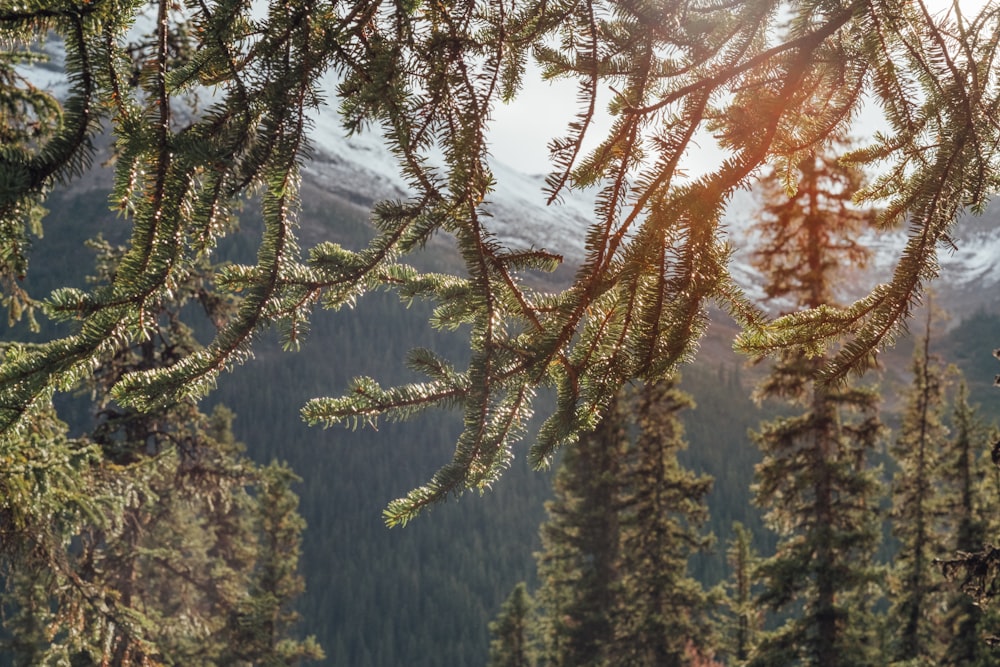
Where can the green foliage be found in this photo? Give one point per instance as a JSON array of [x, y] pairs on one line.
[[772, 82], [944, 512], [971, 621], [391, 597], [741, 617], [261, 622], [615, 588], [744, 619], [153, 540], [769, 81], [511, 631], [919, 513], [579, 564], [29, 117], [815, 482], [821, 498], [662, 617], [171, 548]]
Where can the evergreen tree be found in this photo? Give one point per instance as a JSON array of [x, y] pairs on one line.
[[511, 645], [663, 616], [975, 572], [814, 481], [770, 81], [969, 511], [182, 550], [964, 471], [918, 512], [259, 624], [49, 486], [626, 518], [741, 635], [578, 566]]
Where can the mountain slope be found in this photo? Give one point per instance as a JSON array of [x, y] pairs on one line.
[[360, 170]]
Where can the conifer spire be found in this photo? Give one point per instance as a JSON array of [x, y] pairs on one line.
[[919, 511], [815, 483]]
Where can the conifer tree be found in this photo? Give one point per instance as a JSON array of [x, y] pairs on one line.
[[579, 564], [49, 486], [770, 81], [263, 620], [744, 618], [663, 615], [963, 469], [512, 631], [918, 512], [976, 573], [626, 518], [180, 550], [972, 504], [814, 481]]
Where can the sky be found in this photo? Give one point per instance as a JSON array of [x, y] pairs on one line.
[[521, 130]]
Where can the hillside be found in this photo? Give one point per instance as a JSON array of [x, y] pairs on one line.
[[422, 595]]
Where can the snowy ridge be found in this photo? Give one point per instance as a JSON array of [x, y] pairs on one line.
[[360, 168], [969, 273], [975, 263]]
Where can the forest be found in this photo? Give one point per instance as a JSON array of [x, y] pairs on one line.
[[633, 458]]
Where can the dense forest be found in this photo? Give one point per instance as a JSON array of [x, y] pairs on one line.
[[834, 487], [375, 596], [624, 458]]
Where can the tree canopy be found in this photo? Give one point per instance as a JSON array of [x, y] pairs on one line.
[[770, 82]]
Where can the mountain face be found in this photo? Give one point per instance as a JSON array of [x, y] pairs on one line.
[[359, 169], [970, 270]]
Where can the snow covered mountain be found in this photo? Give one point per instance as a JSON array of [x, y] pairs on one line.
[[361, 170], [969, 272], [969, 277]]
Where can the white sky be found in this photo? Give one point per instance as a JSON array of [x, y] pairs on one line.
[[540, 112], [522, 129]]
